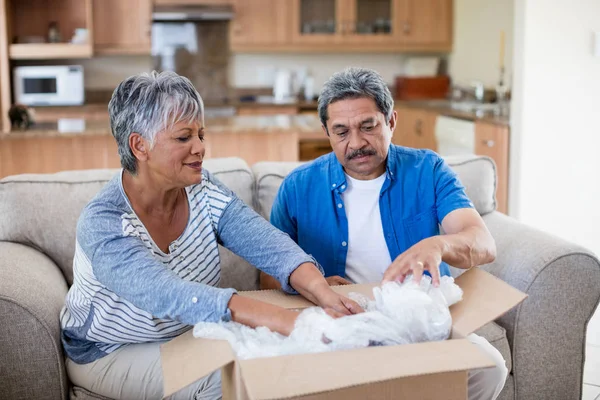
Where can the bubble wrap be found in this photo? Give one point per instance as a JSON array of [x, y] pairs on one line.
[[400, 313]]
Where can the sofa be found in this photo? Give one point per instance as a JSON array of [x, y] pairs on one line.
[[542, 340]]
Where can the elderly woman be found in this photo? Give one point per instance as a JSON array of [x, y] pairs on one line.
[[146, 263]]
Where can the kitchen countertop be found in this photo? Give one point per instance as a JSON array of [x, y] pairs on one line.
[[308, 126], [444, 107], [96, 119]]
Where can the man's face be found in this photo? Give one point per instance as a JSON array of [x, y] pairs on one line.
[[360, 136]]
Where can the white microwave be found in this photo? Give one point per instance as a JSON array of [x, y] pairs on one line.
[[59, 85]]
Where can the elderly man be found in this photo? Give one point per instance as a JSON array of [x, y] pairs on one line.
[[370, 210]]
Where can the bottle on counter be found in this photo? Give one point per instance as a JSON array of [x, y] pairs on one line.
[[309, 87], [53, 32]]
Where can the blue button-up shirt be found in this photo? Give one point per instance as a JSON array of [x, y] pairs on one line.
[[420, 189]]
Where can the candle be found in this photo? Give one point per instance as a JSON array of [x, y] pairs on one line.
[[501, 49]]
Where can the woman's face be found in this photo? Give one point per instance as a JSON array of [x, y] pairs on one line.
[[178, 153]]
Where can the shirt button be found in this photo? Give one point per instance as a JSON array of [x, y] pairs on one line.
[[343, 186], [188, 269], [344, 244], [175, 246], [339, 205], [194, 299], [181, 258], [334, 185]]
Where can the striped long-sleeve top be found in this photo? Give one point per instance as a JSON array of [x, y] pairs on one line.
[[126, 290]]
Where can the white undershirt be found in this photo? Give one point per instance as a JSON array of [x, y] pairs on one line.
[[368, 256]]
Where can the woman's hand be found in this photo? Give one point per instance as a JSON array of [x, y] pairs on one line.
[[337, 305], [337, 280], [308, 281]]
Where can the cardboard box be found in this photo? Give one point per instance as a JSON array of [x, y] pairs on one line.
[[432, 370]]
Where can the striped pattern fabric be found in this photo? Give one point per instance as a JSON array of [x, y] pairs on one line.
[[109, 321]]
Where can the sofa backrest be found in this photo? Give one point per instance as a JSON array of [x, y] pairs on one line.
[[41, 211], [477, 174]]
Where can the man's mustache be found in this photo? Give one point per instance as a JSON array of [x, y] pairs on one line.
[[360, 153]]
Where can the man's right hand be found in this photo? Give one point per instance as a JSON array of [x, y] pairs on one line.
[[337, 280]]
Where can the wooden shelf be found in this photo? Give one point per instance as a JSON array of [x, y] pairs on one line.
[[35, 51]]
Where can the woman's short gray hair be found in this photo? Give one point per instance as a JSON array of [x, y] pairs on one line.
[[353, 83], [148, 104]]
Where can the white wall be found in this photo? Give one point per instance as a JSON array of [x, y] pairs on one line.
[[257, 70], [555, 165], [476, 53], [248, 70]]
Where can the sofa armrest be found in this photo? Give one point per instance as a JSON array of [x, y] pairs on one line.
[[547, 332], [32, 293]]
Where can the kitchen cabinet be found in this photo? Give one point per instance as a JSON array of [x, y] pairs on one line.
[[415, 128], [259, 24], [28, 23], [4, 71], [267, 110], [317, 22], [193, 2], [313, 148], [425, 23], [492, 140], [54, 154], [122, 26], [342, 25], [345, 25]]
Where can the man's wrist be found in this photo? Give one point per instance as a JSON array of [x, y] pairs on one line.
[[441, 245]]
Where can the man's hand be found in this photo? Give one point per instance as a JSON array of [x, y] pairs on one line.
[[337, 280], [423, 256]]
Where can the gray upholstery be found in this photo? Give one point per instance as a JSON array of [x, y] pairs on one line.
[[543, 340]]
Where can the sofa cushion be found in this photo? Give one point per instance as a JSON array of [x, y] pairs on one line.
[[41, 211], [477, 174]]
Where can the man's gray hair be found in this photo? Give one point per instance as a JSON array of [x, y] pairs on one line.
[[148, 104], [353, 83]]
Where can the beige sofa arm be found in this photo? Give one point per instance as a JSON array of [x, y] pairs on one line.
[[32, 293], [547, 331]]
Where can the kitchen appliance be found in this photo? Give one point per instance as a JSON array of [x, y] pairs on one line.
[[192, 41], [283, 90], [58, 85], [455, 137]]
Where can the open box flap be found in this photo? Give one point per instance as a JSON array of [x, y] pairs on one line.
[[485, 298], [303, 374], [185, 359]]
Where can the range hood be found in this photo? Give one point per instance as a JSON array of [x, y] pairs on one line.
[[192, 13]]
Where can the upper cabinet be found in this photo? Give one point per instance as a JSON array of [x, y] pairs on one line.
[[344, 25], [259, 24], [41, 29], [122, 26], [425, 23], [317, 22]]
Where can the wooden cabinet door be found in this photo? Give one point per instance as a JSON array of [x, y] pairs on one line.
[[122, 26], [415, 128], [259, 24], [317, 22], [493, 140], [370, 23], [426, 22]]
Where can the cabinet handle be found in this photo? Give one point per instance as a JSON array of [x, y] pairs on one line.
[[488, 143], [418, 127]]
